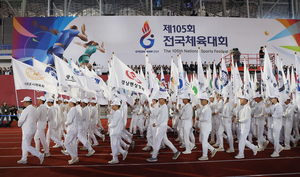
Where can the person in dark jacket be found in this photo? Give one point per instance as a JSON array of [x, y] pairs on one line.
[[5, 113], [13, 113]]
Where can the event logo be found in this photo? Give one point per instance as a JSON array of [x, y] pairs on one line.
[[131, 75], [224, 78], [34, 75], [147, 31], [51, 71]]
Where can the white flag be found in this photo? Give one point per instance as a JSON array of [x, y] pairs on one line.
[[174, 80], [29, 77], [224, 78], [127, 79], [151, 78], [181, 84], [271, 83], [201, 78]]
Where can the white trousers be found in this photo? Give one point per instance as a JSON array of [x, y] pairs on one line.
[[260, 133], [26, 146], [115, 146], [161, 136], [227, 128], [243, 142], [187, 132], [51, 133], [82, 137], [40, 137], [71, 144], [141, 125], [203, 138]]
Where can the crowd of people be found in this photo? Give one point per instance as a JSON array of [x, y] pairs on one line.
[[212, 116], [8, 113], [6, 71]]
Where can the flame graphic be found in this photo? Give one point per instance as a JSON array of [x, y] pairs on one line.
[[147, 31]]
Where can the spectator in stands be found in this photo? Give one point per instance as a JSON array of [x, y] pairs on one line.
[[13, 113], [94, 64], [186, 67], [261, 56], [205, 67], [196, 67], [1, 71], [236, 56], [192, 67], [5, 112]]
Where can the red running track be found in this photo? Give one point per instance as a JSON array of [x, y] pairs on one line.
[[223, 164]]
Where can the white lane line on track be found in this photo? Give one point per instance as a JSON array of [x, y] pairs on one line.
[[149, 164]]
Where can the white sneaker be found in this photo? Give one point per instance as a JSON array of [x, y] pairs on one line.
[[90, 153], [230, 150], [103, 138], [295, 143], [215, 145], [182, 146], [147, 148], [239, 157], [47, 154], [22, 162], [221, 149], [178, 139], [280, 149], [73, 160], [187, 152], [212, 142], [41, 159], [56, 146], [213, 153], [274, 155], [125, 155], [83, 149], [65, 152], [260, 149], [237, 141], [127, 147], [113, 161], [192, 146], [203, 158], [96, 144], [266, 144], [287, 148], [255, 150]]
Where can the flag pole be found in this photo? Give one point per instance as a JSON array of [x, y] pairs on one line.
[[34, 97], [17, 99]]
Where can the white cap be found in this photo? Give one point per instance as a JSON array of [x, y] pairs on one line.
[[50, 100], [78, 99], [211, 96], [257, 96], [185, 96], [274, 96], [116, 102], [73, 100], [26, 99], [41, 98], [60, 98], [66, 100], [162, 96], [93, 101], [243, 97], [85, 100], [204, 97]]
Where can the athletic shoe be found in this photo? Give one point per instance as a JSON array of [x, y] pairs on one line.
[[22, 162], [74, 160], [182, 146], [215, 145], [131, 136], [266, 144], [90, 153], [163, 147], [112, 153], [187, 152], [203, 158], [151, 159], [41, 159], [147, 148], [280, 149], [65, 152], [255, 150], [47, 154], [125, 155], [127, 147], [96, 144], [213, 153], [230, 150], [260, 149], [83, 149], [287, 148], [295, 144], [176, 155], [56, 146], [103, 138], [274, 155], [237, 141], [239, 157], [192, 146], [195, 147], [43, 150], [221, 149], [212, 142], [178, 139], [132, 144]]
